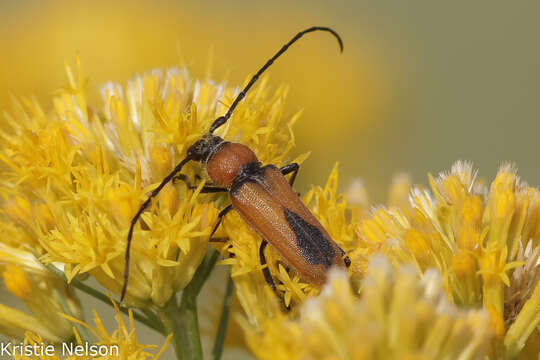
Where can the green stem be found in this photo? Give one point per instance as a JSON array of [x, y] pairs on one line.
[[202, 273], [170, 316], [157, 326], [223, 320], [182, 321], [190, 323], [152, 323], [151, 316], [85, 334], [188, 306]]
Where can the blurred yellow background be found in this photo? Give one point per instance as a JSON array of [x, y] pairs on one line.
[[418, 86]]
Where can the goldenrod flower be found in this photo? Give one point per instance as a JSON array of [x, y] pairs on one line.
[[71, 180], [483, 241], [43, 293], [14, 324], [397, 317], [120, 344], [74, 178]]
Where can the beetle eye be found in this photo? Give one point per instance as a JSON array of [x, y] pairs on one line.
[[192, 150], [197, 150]]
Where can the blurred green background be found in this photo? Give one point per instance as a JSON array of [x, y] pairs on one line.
[[420, 84]]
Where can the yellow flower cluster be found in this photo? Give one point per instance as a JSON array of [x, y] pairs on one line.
[[120, 344], [484, 241], [43, 293], [71, 180], [398, 317]]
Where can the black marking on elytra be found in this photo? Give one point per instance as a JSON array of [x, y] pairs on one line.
[[315, 248]]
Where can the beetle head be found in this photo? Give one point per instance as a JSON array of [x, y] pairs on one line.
[[204, 148]]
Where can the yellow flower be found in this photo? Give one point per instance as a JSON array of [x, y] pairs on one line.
[[397, 317], [43, 293], [71, 180], [357, 198], [398, 195], [75, 177], [14, 324], [120, 344], [484, 243]]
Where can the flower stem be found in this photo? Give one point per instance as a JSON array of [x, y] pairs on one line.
[[84, 333], [148, 321], [202, 273], [223, 320], [190, 322], [188, 305], [182, 321], [170, 317], [103, 298]]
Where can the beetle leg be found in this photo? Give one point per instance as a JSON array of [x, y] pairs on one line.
[[205, 190], [211, 189], [266, 270], [221, 214], [290, 168], [345, 258]]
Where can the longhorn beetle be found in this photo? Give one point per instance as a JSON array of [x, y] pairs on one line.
[[261, 195]]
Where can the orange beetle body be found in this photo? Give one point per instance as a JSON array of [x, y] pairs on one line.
[[261, 195], [266, 201]]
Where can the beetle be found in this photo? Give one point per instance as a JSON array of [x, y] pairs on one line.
[[261, 195]]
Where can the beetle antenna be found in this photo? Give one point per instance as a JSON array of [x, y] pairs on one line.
[[223, 119], [144, 205]]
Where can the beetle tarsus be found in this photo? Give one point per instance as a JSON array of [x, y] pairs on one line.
[[290, 168]]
